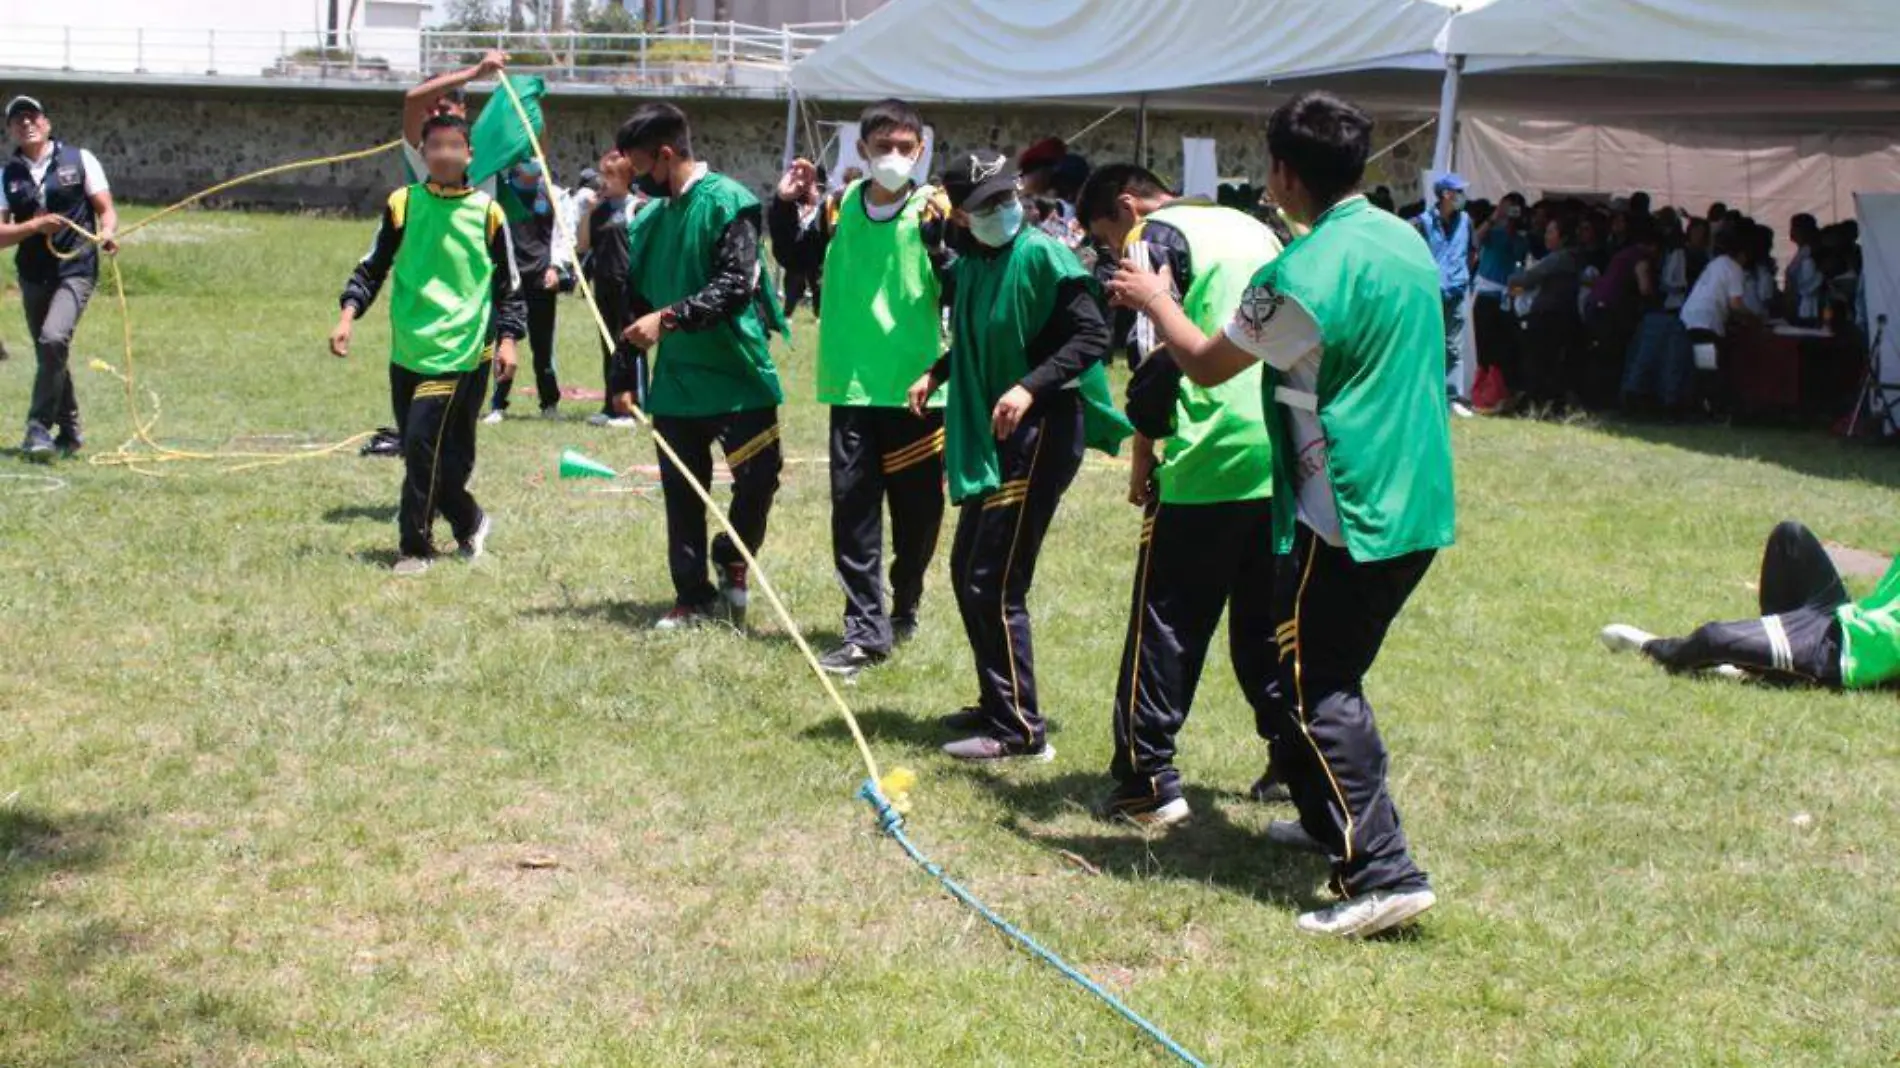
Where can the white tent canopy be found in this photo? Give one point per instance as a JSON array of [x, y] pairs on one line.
[[1113, 49], [1744, 33]]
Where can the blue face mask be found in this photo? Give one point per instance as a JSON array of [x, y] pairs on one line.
[[998, 226]]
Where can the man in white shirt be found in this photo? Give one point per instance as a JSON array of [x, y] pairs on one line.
[[55, 194]]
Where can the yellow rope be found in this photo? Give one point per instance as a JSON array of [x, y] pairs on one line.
[[899, 776], [127, 454]]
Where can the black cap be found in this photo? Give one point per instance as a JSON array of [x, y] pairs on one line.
[[978, 176], [23, 103]]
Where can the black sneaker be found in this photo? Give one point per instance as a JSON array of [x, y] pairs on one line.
[[964, 720], [386, 442], [38, 446], [1269, 790], [849, 659], [68, 441], [1152, 802], [983, 749], [903, 628]]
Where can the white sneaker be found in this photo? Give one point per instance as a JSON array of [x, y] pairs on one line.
[[477, 543], [551, 414], [1290, 834], [1730, 672], [1623, 638], [600, 419], [493, 417], [1368, 914], [623, 422], [1461, 409], [410, 566]]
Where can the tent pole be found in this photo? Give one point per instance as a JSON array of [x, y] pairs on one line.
[[791, 128], [1444, 155], [1141, 130]]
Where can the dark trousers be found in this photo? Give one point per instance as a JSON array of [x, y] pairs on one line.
[[797, 284], [623, 368], [750, 441], [1495, 330], [1196, 560], [547, 386], [1548, 342], [438, 415], [879, 455], [52, 314], [993, 561], [1333, 614], [1797, 637]]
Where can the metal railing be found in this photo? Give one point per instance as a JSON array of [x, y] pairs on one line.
[[694, 52]]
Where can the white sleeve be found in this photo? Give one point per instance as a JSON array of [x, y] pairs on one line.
[[1734, 285], [95, 174], [1273, 326], [561, 247]]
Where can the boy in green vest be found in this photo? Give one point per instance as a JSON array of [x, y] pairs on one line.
[[701, 306], [1027, 394], [1810, 630], [881, 272], [1207, 530], [1349, 322], [454, 304]]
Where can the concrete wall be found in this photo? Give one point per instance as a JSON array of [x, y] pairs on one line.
[[159, 144]]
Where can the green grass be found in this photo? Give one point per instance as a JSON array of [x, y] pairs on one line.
[[262, 804]]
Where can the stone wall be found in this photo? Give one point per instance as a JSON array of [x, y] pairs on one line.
[[159, 144]]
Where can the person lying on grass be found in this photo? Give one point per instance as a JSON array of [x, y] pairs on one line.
[[1809, 631]]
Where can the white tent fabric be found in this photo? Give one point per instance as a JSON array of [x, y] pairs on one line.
[[1748, 33], [1200, 171], [1770, 169], [1880, 248], [1016, 49]]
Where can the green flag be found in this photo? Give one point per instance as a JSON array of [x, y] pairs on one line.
[[499, 141]]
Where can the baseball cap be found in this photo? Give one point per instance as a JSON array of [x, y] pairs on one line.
[[1450, 183], [23, 103], [1044, 153], [976, 177]]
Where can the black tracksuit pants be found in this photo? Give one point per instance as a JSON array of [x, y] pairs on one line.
[[993, 560], [547, 386], [1798, 636], [1333, 614], [1195, 560], [750, 441], [437, 416], [623, 368], [879, 455]]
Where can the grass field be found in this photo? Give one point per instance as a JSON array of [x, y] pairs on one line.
[[260, 803]]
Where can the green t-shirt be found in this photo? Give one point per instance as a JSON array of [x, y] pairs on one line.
[[1001, 302], [883, 324], [1371, 287], [1870, 635], [728, 366], [441, 283], [1221, 449]]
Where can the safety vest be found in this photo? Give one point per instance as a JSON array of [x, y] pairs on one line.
[[1221, 449], [441, 285], [882, 327], [62, 192], [1372, 288]]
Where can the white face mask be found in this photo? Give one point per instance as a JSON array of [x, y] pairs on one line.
[[892, 172]]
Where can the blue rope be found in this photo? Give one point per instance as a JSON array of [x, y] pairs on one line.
[[892, 823]]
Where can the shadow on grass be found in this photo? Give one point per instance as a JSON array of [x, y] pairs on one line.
[[881, 725], [1211, 848], [633, 615], [351, 513], [378, 558], [1808, 452], [36, 847]]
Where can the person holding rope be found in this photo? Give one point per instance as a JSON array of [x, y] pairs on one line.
[[1350, 323], [56, 194], [696, 290], [444, 94], [455, 304]]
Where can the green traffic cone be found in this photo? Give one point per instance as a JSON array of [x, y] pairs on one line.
[[576, 465]]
